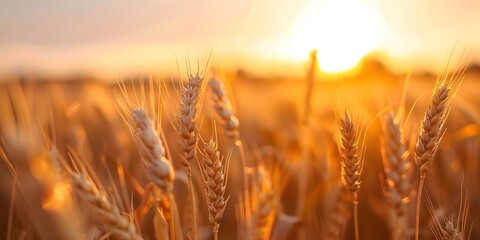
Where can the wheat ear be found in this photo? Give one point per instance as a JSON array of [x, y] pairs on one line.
[[264, 211], [187, 118], [351, 162], [398, 170], [428, 141], [450, 229], [336, 219], [158, 168], [214, 171], [103, 209], [223, 108]]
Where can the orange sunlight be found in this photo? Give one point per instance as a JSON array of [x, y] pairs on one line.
[[342, 31]]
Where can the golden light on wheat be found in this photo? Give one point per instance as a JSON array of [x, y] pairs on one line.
[[221, 151]]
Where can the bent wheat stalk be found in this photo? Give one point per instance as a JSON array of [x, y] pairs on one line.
[[158, 168]]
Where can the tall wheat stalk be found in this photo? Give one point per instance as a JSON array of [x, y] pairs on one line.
[[428, 141], [352, 162], [188, 142], [305, 167]]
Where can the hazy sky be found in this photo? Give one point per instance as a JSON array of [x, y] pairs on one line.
[[121, 36]]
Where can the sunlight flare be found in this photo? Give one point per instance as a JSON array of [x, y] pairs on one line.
[[342, 31]]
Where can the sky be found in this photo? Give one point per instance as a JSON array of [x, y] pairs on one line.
[[114, 37]]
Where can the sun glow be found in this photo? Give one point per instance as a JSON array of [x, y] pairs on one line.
[[342, 31]]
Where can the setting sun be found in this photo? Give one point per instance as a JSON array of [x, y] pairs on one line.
[[342, 31]]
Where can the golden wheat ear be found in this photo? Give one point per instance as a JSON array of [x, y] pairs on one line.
[[224, 109], [264, 206], [351, 156], [432, 128], [158, 168], [160, 172], [102, 207], [214, 170], [398, 172], [397, 165]]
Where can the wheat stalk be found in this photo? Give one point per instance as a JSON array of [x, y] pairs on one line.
[[397, 169], [428, 141], [214, 172], [103, 209], [264, 211], [158, 168], [223, 108], [188, 142], [351, 162]]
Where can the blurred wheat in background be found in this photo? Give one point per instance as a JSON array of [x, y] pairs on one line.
[[341, 144]]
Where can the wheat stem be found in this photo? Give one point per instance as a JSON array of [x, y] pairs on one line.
[[417, 209], [355, 216]]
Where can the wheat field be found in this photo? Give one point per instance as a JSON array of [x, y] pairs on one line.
[[222, 155]]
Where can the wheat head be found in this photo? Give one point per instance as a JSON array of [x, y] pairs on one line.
[[432, 128], [159, 170], [398, 168], [350, 155], [187, 117], [103, 209], [223, 108], [214, 171]]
